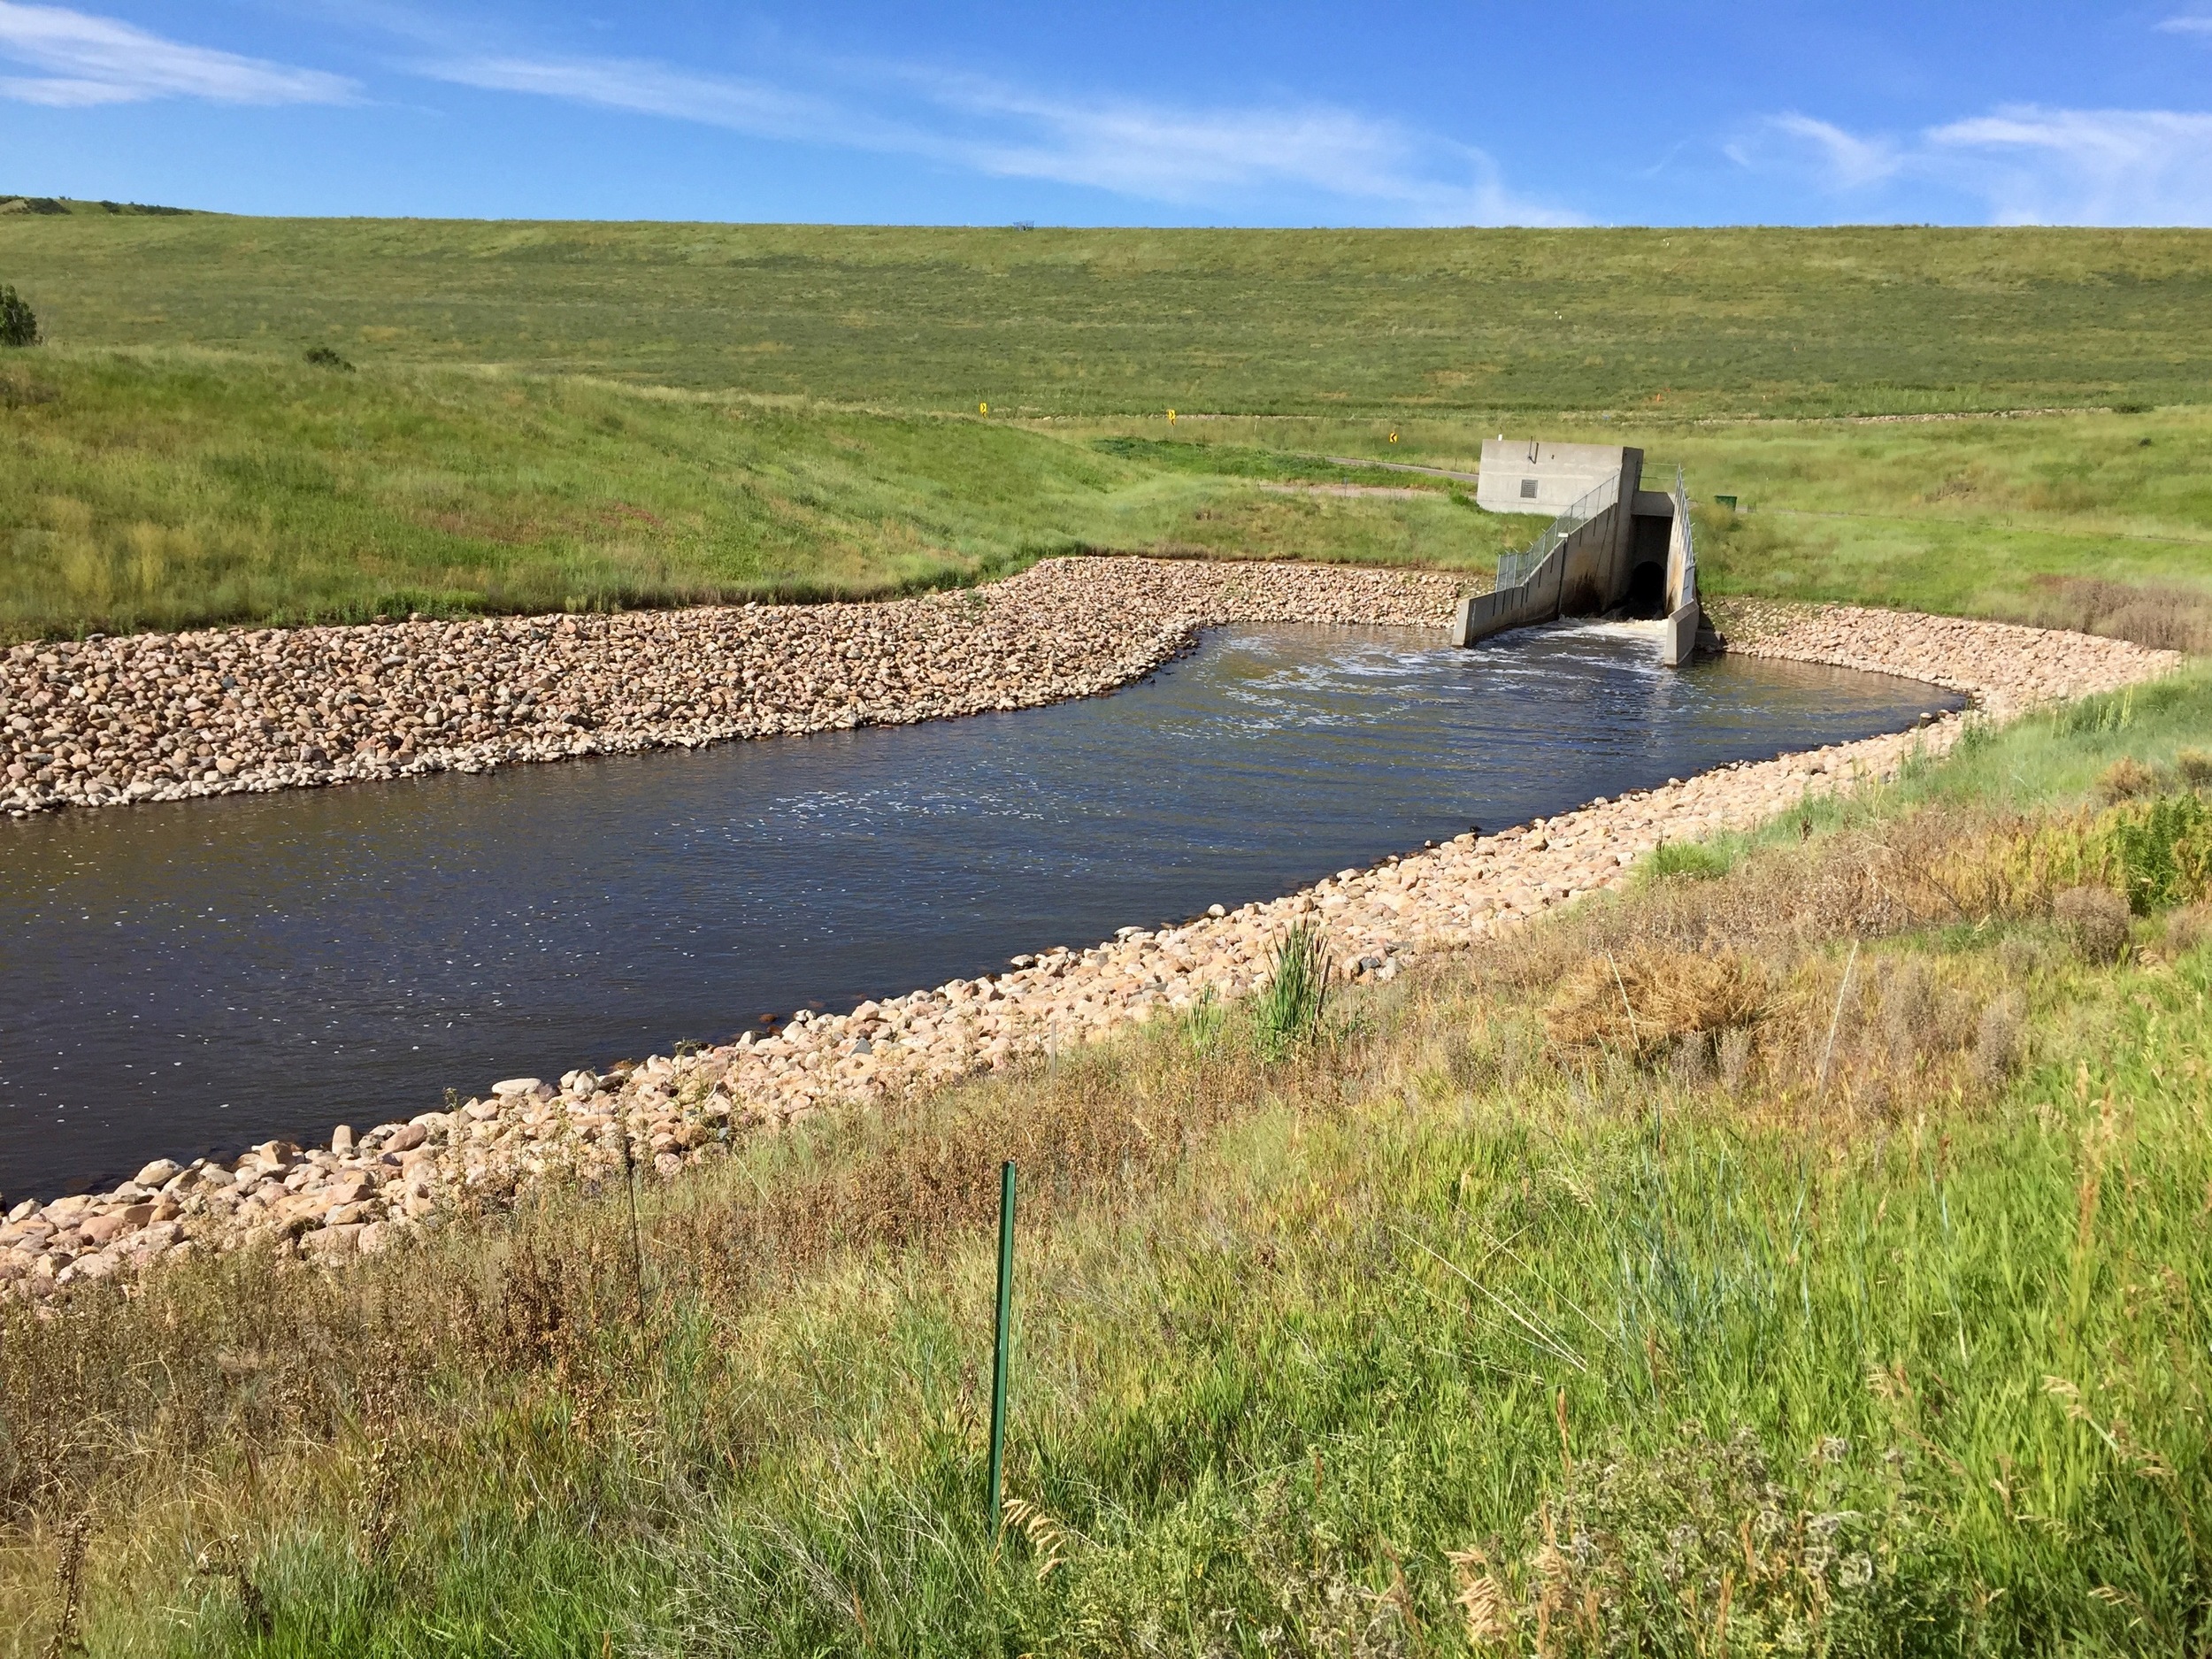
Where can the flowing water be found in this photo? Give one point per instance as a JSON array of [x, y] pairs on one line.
[[185, 978]]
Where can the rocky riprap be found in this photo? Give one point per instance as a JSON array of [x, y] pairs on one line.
[[164, 717], [356, 1195]]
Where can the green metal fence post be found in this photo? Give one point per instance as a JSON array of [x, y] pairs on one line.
[[1005, 1336]]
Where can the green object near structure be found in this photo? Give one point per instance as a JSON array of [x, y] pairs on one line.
[[999, 1353], [1728, 502]]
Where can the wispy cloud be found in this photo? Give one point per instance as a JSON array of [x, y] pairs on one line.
[[2024, 164], [1188, 156], [1845, 160], [89, 60], [2187, 26], [2088, 166]]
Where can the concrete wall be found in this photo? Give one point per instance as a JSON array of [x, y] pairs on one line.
[[1535, 600], [1596, 569], [1681, 636], [1561, 473]]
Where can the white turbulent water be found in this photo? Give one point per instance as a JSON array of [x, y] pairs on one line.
[[181, 979]]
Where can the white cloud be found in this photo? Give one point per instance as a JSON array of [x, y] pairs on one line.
[[2023, 164], [93, 60], [647, 88], [1846, 161], [1183, 156], [2088, 166], [2187, 26]]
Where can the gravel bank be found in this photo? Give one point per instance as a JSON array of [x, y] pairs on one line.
[[359, 1195], [168, 717]]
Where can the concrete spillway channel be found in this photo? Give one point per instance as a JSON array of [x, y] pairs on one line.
[[1614, 549]]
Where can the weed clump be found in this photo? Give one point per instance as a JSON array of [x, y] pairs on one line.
[[2189, 929], [1999, 1042], [1288, 1010], [2162, 852], [324, 357], [2094, 920], [2195, 766], [1650, 1001], [1692, 861]]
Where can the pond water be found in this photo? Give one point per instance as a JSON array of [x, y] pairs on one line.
[[187, 979]]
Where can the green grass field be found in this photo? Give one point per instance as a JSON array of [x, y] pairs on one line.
[[1116, 322], [167, 487], [578, 415]]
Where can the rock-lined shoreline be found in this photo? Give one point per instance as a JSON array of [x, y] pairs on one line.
[[356, 1195], [104, 722]]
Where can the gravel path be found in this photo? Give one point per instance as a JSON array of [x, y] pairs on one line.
[[359, 1195]]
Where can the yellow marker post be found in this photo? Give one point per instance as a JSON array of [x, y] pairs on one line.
[[983, 409], [1394, 434], [1170, 416]]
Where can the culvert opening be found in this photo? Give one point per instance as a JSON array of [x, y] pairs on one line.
[[1648, 591]]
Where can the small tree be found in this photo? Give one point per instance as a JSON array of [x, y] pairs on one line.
[[19, 324]]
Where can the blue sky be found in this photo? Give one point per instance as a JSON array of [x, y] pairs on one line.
[[1133, 112]]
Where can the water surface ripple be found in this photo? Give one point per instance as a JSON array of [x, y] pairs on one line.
[[184, 979]]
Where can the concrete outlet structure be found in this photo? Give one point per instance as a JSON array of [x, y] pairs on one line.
[[1538, 477], [1614, 549]]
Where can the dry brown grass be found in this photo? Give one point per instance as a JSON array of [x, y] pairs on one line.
[[1772, 980], [2094, 920], [2163, 618], [1649, 1000]]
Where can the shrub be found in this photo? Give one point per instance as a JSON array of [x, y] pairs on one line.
[[2195, 767], [19, 324], [324, 357], [1998, 1042], [2127, 779], [2187, 929], [2160, 854], [2094, 920]]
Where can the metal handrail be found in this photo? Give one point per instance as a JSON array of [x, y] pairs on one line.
[[1689, 544], [1516, 568]]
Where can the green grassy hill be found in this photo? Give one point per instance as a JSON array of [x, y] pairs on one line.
[[1115, 322], [583, 415], [164, 487]]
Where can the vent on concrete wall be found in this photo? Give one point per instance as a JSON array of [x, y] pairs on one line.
[[1528, 489]]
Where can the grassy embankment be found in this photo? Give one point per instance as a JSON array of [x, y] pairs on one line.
[[169, 489], [1855, 1302], [556, 414]]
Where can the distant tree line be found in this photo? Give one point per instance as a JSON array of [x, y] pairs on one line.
[[56, 204]]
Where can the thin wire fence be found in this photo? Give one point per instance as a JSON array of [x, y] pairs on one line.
[[1689, 545]]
